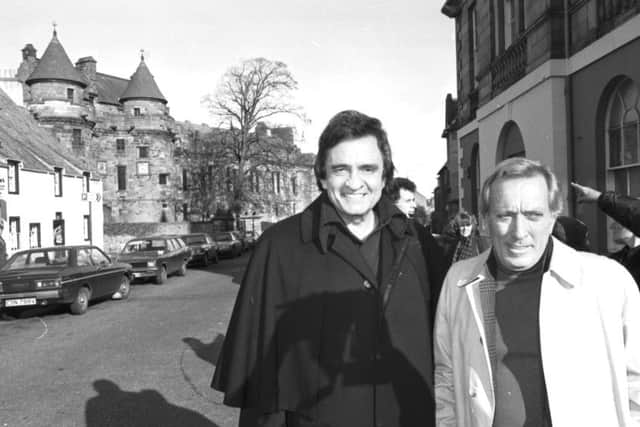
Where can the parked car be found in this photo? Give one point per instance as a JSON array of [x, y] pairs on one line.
[[240, 236], [228, 243], [250, 238], [156, 257], [203, 248], [73, 275]]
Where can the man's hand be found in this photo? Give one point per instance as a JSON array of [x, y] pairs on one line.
[[586, 194]]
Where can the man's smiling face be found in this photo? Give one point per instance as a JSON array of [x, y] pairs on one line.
[[354, 180]]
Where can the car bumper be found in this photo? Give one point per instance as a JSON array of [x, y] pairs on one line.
[[31, 298], [143, 273]]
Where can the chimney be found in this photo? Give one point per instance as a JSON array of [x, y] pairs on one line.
[[28, 52], [87, 66]]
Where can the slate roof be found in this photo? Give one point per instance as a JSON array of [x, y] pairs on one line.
[[142, 86], [21, 138], [56, 65], [110, 88]]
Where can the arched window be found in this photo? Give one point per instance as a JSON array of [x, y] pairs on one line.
[[623, 140], [510, 143]]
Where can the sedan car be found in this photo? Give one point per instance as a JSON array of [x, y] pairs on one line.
[[203, 248], [156, 257], [72, 275], [228, 243]]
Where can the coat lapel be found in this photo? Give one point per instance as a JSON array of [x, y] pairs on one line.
[[349, 252]]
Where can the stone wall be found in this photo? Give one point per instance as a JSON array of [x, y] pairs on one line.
[[117, 234]]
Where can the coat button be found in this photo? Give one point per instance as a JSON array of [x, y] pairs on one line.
[[366, 284]]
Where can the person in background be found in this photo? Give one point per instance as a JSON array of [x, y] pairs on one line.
[[402, 192], [461, 239], [625, 211], [331, 326], [533, 332], [572, 232]]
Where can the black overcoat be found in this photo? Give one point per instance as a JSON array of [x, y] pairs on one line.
[[315, 334]]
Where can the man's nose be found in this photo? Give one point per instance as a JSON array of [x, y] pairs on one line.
[[519, 226], [354, 181]]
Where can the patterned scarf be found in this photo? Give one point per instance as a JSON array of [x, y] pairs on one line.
[[466, 247]]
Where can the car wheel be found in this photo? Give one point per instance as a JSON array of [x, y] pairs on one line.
[[183, 269], [215, 258], [80, 303], [124, 289], [161, 277], [205, 260]]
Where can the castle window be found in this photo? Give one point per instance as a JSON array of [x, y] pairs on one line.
[[294, 186], [70, 95], [142, 168], [120, 145], [14, 177], [137, 112], [163, 178], [122, 177], [185, 182], [76, 141], [143, 152], [57, 182]]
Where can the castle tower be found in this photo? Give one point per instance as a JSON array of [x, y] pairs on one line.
[[142, 97], [55, 97]]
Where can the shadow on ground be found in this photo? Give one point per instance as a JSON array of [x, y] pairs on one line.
[[116, 407], [206, 351]]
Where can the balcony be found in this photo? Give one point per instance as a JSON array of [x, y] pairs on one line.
[[509, 67], [612, 13]]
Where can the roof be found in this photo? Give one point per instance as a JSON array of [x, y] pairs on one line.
[[142, 85], [110, 88], [21, 138], [56, 65]]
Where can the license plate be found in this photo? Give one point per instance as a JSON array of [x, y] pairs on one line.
[[19, 302]]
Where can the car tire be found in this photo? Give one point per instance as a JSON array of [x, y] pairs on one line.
[[125, 288], [183, 269], [161, 277], [80, 303]]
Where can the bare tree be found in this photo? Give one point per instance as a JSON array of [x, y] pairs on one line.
[[255, 91]]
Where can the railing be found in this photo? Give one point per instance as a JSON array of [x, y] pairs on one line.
[[610, 10], [510, 66]]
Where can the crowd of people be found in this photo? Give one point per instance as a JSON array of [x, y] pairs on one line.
[[352, 314]]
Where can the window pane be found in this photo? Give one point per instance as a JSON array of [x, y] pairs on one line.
[[620, 177], [614, 147], [634, 181], [631, 143]]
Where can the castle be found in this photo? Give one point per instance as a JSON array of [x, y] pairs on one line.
[[122, 127]]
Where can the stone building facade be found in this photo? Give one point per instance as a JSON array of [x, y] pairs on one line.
[[121, 126], [552, 80]]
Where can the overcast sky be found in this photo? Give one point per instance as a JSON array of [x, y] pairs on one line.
[[392, 59]]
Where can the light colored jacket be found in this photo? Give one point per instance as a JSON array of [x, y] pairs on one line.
[[589, 343]]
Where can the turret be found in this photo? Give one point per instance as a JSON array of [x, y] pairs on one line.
[[142, 97]]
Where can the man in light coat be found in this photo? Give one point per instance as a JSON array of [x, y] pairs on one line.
[[532, 332]]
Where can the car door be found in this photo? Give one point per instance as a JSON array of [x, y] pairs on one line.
[[175, 257], [86, 273], [106, 272]]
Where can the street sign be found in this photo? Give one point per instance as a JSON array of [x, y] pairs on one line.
[[91, 197]]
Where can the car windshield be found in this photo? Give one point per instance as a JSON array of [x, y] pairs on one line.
[[38, 259], [190, 240], [143, 245], [226, 237]]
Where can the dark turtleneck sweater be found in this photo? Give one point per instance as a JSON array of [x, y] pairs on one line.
[[521, 395]]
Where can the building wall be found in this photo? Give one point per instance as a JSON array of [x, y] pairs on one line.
[[36, 203], [591, 88]]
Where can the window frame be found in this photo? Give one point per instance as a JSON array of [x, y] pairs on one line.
[[13, 184], [57, 182]]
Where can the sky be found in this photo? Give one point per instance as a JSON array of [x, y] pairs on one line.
[[391, 59]]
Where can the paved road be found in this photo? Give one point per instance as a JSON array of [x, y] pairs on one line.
[[147, 361]]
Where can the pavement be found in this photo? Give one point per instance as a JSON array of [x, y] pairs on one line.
[[144, 361]]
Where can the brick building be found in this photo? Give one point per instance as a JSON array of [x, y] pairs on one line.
[[553, 80], [121, 126]]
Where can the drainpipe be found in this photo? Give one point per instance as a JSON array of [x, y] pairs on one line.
[[568, 91]]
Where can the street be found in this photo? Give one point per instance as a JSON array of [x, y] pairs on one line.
[[146, 361]]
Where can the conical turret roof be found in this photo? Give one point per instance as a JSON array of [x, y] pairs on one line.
[[56, 65], [142, 85]]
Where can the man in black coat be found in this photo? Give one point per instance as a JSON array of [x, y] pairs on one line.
[[331, 326], [402, 193], [625, 211]]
